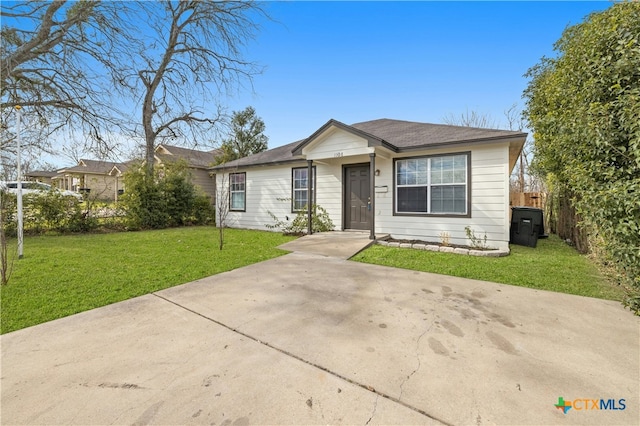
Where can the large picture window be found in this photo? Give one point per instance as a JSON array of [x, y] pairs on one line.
[[300, 187], [433, 185], [237, 191]]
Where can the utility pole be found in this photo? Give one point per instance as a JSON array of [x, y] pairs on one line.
[[20, 217]]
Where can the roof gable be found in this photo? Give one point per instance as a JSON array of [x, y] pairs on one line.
[[332, 125], [91, 167]]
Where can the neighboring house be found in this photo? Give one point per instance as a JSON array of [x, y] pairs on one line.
[[43, 176], [96, 179], [410, 180], [104, 180], [199, 164]]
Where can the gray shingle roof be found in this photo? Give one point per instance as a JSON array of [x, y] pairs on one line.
[[193, 157], [411, 135], [41, 173], [281, 154], [123, 167], [397, 135], [91, 166]]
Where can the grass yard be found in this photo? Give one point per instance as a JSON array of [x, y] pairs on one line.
[[64, 275], [552, 265]]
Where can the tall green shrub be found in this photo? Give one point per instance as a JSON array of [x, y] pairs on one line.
[[143, 201], [8, 209], [55, 212], [46, 212], [584, 109], [167, 199], [180, 195]]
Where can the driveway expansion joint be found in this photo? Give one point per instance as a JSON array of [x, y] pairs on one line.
[[320, 367]]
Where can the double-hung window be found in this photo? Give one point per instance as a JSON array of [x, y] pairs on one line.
[[237, 191], [436, 185], [300, 187]]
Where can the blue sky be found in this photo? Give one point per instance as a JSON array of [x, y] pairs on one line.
[[416, 61]]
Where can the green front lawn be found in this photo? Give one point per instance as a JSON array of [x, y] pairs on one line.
[[552, 265], [63, 275]]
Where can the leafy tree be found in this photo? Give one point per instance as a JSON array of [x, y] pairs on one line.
[[169, 199], [584, 109], [247, 136]]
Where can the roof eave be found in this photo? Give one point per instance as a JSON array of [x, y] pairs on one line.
[[247, 166], [491, 139]]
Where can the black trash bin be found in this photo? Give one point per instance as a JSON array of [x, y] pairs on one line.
[[527, 225]]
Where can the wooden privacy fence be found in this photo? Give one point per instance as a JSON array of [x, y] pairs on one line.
[[527, 199], [560, 216]]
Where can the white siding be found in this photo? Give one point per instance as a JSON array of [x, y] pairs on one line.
[[269, 190], [489, 196], [336, 144], [329, 190]]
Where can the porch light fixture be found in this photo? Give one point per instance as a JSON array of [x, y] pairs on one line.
[[377, 172]]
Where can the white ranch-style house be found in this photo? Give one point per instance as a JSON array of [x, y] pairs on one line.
[[415, 181]]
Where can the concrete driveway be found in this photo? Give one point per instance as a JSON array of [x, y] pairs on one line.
[[314, 339]]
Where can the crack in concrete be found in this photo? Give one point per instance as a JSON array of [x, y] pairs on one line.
[[375, 407], [417, 344], [318, 366], [418, 357]]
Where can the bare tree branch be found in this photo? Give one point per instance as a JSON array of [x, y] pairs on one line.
[[189, 46], [471, 119], [174, 61], [56, 60]]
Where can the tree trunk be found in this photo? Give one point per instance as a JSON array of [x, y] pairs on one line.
[[147, 124], [568, 222]]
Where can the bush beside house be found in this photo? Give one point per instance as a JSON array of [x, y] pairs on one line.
[[583, 106], [169, 199]]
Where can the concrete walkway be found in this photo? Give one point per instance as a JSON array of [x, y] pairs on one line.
[[342, 245], [313, 339]]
